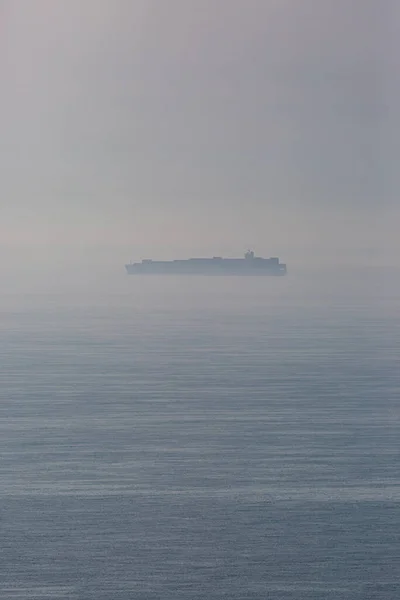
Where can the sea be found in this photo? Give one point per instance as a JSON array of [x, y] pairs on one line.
[[182, 438]]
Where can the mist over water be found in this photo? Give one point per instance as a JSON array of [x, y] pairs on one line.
[[199, 437], [189, 437]]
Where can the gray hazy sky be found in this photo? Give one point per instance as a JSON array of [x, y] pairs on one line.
[[162, 127]]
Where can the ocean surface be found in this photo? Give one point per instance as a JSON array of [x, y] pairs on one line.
[[202, 438]]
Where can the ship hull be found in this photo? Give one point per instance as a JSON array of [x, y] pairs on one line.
[[139, 269]]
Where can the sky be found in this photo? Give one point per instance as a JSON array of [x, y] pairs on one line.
[[147, 128]]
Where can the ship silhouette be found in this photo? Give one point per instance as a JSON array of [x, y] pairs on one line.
[[249, 265]]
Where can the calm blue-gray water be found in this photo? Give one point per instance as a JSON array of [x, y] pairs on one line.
[[202, 438]]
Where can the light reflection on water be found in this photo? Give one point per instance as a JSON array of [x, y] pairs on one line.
[[192, 439]]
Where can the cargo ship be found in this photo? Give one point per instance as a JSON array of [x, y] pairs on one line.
[[249, 265]]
